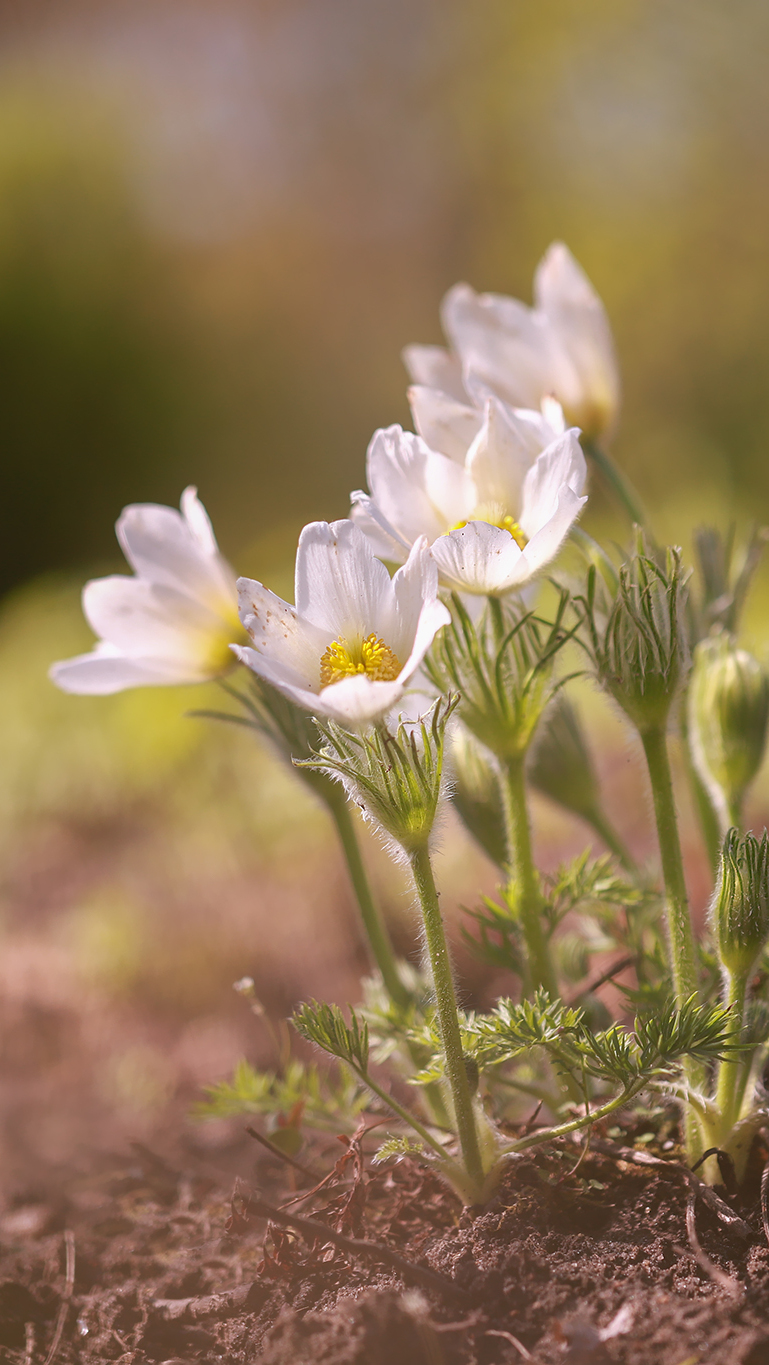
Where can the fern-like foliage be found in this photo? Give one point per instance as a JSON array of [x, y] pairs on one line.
[[323, 1099], [654, 1047], [325, 1026]]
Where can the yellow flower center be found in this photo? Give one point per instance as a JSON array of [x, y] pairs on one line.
[[371, 657], [495, 515]]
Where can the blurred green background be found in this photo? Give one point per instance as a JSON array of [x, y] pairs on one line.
[[219, 224]]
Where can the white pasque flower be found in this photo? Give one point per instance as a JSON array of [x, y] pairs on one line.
[[493, 521], [174, 621], [562, 347], [356, 637]]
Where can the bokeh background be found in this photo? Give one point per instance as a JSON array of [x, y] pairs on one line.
[[219, 224]]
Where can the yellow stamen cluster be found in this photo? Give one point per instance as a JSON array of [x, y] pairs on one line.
[[496, 516], [371, 657]]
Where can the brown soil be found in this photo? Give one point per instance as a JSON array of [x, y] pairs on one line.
[[172, 1264]]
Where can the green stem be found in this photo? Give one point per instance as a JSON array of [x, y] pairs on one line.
[[682, 954], [523, 890], [378, 937], [617, 481], [407, 1117], [681, 939], [451, 1038], [731, 1070], [573, 1125]]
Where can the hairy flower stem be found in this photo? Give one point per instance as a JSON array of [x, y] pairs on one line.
[[617, 481], [376, 931], [523, 891], [681, 939], [731, 1070], [456, 1071]]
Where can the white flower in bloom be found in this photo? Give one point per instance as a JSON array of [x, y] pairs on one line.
[[356, 637], [174, 621], [494, 521], [561, 347]]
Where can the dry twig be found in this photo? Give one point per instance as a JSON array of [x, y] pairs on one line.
[[706, 1194], [765, 1200], [273, 1148], [69, 1285], [508, 1336], [315, 1231], [718, 1276]]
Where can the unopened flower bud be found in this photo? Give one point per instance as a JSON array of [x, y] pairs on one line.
[[636, 636], [728, 716], [740, 909], [476, 795]]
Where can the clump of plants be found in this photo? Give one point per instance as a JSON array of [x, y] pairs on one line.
[[428, 659]]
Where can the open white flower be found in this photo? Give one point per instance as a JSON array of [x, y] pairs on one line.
[[174, 621], [356, 637], [494, 521], [561, 347]]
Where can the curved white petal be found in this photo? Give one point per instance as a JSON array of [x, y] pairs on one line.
[[356, 702], [437, 368], [165, 547], [199, 522], [396, 469], [577, 316], [293, 647], [105, 671], [341, 587], [547, 541], [563, 463], [444, 423], [500, 457], [478, 558], [502, 344], [417, 613], [148, 620], [383, 538]]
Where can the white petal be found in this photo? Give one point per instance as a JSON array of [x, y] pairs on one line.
[[577, 316], [199, 522], [547, 541], [341, 587], [500, 457], [443, 422], [164, 547], [502, 344], [563, 463], [478, 558], [417, 614], [146, 620], [105, 671], [293, 648], [382, 537], [414, 490], [357, 701], [437, 368]]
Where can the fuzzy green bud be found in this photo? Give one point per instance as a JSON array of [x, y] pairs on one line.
[[502, 667], [728, 717], [636, 636], [476, 795], [740, 907], [397, 780]]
